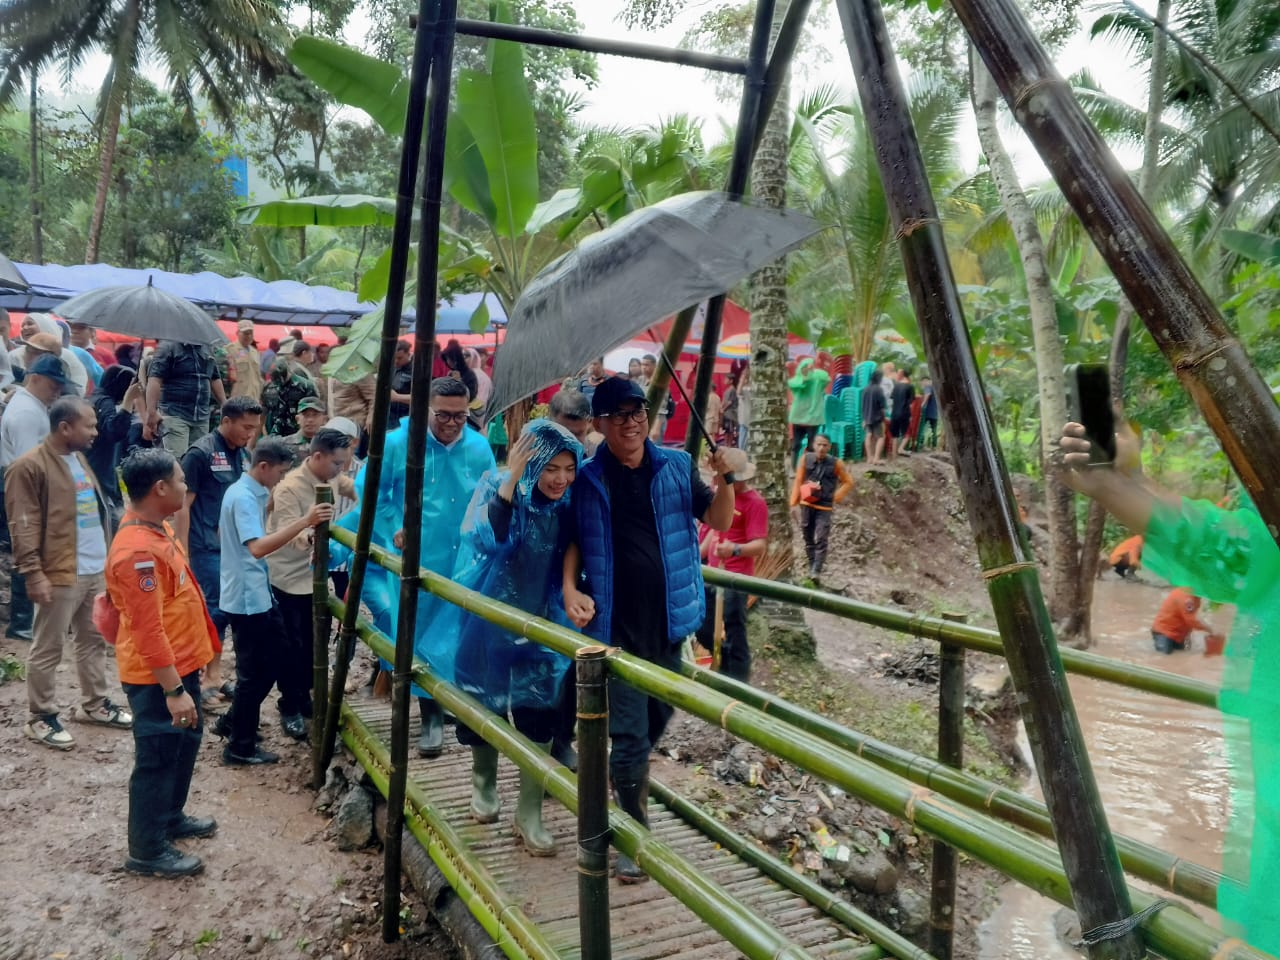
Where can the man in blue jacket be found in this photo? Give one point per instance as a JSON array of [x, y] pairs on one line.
[[633, 576]]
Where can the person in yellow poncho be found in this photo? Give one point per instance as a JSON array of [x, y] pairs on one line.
[[1227, 556]]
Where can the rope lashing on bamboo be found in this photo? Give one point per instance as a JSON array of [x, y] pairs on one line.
[[1007, 568], [1029, 91], [1119, 928], [912, 224]]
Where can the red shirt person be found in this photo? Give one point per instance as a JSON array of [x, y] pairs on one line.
[[735, 550], [1175, 621]]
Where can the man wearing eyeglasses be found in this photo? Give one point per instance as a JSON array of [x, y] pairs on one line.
[[633, 576], [456, 459]]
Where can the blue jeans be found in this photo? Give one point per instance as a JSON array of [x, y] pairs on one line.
[[207, 566], [163, 763]]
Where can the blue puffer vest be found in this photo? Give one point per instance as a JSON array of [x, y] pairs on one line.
[[672, 501]]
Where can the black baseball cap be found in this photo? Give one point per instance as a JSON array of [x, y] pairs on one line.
[[613, 393]]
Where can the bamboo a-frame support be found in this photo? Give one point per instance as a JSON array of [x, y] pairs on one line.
[[1230, 393]]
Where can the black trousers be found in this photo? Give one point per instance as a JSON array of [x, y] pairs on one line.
[[735, 655], [164, 759], [21, 610], [799, 434], [637, 722], [816, 528], [258, 669], [296, 670]]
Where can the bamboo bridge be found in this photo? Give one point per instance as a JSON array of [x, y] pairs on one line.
[[715, 892]]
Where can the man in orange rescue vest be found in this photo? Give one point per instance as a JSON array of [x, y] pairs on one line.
[[165, 640], [1175, 621]]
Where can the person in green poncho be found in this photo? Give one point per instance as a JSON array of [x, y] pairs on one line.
[[808, 392], [1227, 556]]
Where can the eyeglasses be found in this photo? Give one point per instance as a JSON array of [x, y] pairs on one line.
[[619, 417], [445, 417]]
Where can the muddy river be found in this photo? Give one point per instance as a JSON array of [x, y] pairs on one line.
[[1160, 765]]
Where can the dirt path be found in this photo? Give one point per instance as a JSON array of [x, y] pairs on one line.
[[275, 885]]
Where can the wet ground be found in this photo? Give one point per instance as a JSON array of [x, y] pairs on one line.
[[1160, 765]]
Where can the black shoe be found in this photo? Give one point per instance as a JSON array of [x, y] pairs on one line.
[[431, 739], [628, 872], [222, 728], [563, 753], [171, 863], [18, 634], [294, 726], [188, 828], [258, 757]]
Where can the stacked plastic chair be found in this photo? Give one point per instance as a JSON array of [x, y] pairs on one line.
[[842, 373]]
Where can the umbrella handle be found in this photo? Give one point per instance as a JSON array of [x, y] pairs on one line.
[[728, 477]]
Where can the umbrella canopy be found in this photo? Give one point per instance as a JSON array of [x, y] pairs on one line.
[[143, 312], [650, 264], [10, 278]]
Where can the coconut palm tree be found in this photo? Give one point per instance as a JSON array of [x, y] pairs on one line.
[[208, 49], [852, 273]]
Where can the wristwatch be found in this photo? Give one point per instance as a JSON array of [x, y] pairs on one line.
[[737, 549], [177, 691]]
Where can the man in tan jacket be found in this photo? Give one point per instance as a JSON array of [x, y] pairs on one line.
[[60, 527]]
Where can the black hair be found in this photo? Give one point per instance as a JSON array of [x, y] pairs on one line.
[[327, 440], [403, 345], [66, 410], [116, 381], [876, 376], [905, 371], [824, 436], [144, 468], [571, 403], [273, 451], [237, 407], [296, 333], [448, 387]]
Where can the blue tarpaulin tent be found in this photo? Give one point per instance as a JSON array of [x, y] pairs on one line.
[[278, 301]]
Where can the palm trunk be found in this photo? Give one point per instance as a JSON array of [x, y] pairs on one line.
[[1071, 619], [1091, 551], [122, 73], [37, 224], [768, 429]]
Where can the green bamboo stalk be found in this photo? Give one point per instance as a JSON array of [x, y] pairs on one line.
[[970, 637], [393, 309], [321, 627], [661, 382], [1209, 360], [1143, 860], [441, 34], [942, 900], [708, 900], [1089, 855], [818, 895], [503, 919], [591, 672], [1174, 933]]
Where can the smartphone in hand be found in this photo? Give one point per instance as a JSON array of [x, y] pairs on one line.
[[1089, 404]]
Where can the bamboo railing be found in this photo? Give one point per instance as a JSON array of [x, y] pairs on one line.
[[1173, 932]]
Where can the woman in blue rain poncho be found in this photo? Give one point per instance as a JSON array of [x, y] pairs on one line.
[[513, 542]]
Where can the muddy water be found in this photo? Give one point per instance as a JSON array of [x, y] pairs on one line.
[[1160, 766]]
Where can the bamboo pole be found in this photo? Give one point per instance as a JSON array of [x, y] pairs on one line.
[[970, 637], [751, 117], [440, 32], [1183, 877], [829, 903], [393, 309], [942, 902], [1174, 933], [1057, 743], [504, 920], [1147, 862], [710, 902], [591, 670], [1211, 363], [321, 628], [660, 385]]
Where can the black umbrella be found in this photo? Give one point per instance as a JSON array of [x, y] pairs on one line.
[[143, 312], [10, 278], [650, 264]]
